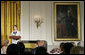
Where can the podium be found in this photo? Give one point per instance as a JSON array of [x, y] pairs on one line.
[[14, 37]]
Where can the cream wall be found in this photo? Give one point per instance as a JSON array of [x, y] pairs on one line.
[[44, 9], [28, 27]]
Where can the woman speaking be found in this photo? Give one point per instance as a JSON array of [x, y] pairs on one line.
[[15, 33]]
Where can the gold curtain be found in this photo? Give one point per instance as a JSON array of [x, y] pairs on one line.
[[10, 16]]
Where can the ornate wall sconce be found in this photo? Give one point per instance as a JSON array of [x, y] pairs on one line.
[[37, 21]]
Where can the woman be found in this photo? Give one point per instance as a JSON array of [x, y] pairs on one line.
[[15, 33], [5, 45]]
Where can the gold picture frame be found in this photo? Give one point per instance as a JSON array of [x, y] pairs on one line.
[[67, 21]]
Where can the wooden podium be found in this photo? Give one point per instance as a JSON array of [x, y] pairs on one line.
[[14, 37]]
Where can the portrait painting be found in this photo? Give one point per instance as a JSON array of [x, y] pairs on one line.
[[67, 21]]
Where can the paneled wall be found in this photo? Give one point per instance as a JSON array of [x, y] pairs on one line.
[[36, 8], [45, 10]]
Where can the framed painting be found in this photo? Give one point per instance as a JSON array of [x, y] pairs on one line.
[[67, 20]]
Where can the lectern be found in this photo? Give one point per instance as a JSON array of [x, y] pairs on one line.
[[14, 37]]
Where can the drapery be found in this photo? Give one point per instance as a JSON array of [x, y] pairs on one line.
[[10, 16]]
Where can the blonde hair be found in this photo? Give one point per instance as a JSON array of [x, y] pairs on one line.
[[5, 42]]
